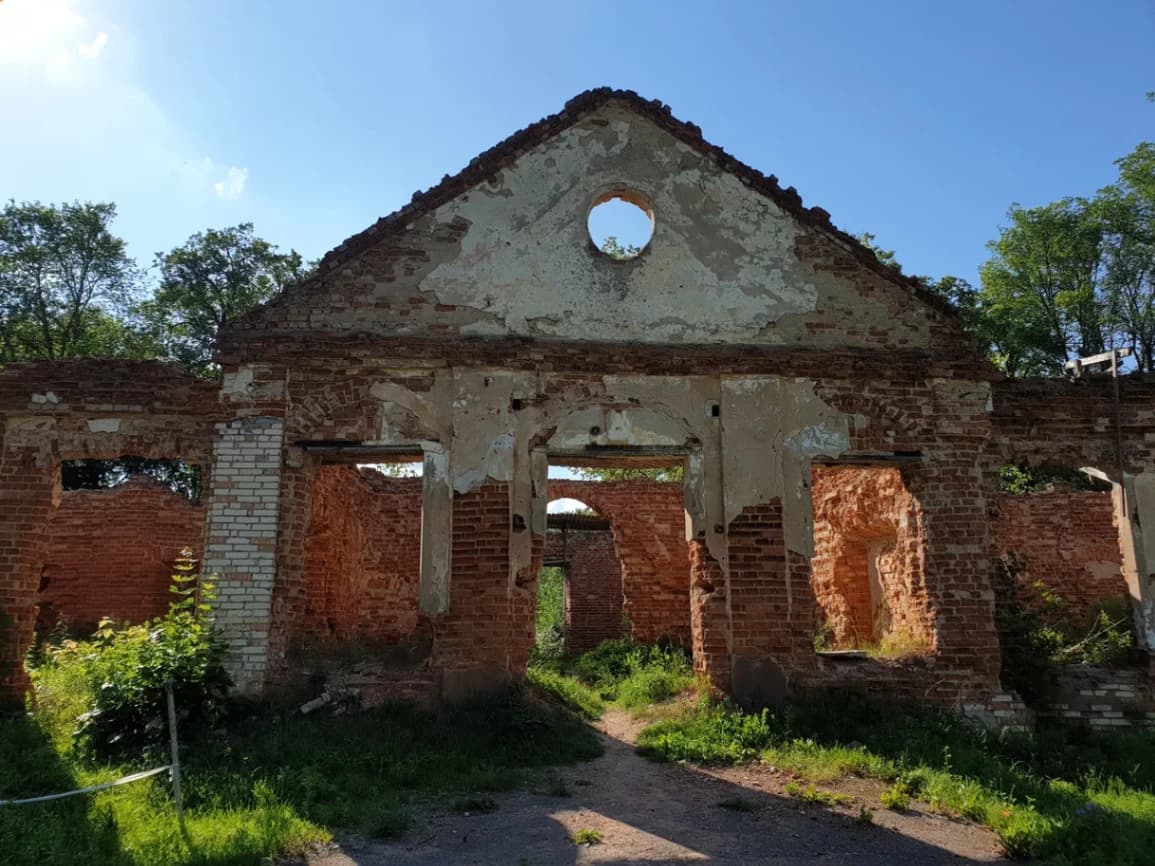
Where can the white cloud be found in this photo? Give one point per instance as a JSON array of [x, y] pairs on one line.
[[92, 50], [44, 37], [233, 186], [91, 130]]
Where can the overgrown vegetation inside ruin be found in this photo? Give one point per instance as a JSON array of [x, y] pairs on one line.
[[1065, 794], [620, 672], [1038, 631], [1018, 480], [550, 625], [260, 781]]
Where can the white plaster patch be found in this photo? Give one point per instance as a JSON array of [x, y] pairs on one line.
[[238, 383], [721, 265], [104, 425]]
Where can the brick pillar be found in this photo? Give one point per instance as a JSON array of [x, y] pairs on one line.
[[240, 547], [759, 600], [289, 601], [473, 637], [709, 617], [958, 556], [27, 492]]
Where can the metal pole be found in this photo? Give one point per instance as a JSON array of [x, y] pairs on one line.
[[1118, 412], [175, 754]]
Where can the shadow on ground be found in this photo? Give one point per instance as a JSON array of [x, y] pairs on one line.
[[663, 813], [53, 832]]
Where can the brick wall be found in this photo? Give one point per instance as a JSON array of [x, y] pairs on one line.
[[241, 540], [1068, 539], [480, 628], [648, 522], [72, 410], [593, 585], [362, 556], [111, 552], [1103, 697], [867, 565]]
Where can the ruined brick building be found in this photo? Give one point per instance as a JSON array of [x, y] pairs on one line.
[[840, 437]]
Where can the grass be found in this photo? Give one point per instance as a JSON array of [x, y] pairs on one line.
[[618, 672], [588, 837], [274, 785], [811, 794], [1067, 795]]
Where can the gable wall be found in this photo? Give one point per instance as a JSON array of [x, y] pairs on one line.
[[511, 257]]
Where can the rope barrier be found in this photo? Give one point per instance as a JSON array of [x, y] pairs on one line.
[[123, 780]]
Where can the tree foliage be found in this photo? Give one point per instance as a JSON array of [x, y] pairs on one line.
[[214, 276], [615, 249], [66, 284], [1064, 280], [629, 473]]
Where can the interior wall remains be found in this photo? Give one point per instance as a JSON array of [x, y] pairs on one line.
[[362, 556], [592, 605], [79, 409], [648, 522], [111, 552], [867, 567], [1066, 539]]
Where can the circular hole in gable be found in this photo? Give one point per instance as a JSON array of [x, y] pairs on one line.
[[621, 224]]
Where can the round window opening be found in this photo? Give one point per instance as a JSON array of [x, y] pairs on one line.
[[621, 224]]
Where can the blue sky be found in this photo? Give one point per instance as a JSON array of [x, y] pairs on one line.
[[918, 121]]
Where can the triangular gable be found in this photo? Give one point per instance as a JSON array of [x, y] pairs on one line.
[[396, 233]]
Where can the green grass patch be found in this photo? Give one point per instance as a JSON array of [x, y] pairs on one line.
[[1071, 796], [618, 672], [274, 784]]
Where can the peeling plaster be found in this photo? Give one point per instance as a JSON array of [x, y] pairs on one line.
[[719, 268]]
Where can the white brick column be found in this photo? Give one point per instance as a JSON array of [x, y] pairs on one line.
[[241, 540]]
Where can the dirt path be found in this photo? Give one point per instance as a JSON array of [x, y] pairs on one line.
[[667, 813]]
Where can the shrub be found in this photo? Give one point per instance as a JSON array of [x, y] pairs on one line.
[[129, 667]]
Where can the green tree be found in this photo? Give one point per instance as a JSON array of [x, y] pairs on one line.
[[615, 249], [216, 275], [66, 284], [1126, 211], [1044, 284], [624, 473]]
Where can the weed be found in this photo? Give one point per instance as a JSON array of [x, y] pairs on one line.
[[865, 816], [587, 837], [896, 797], [812, 794]]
